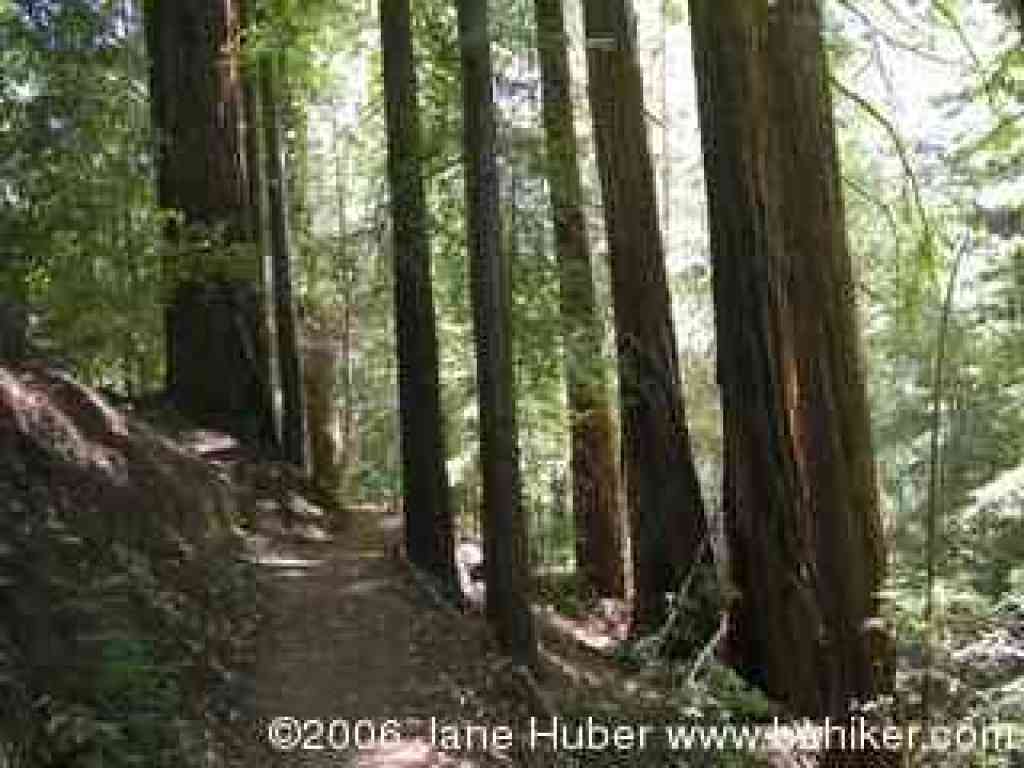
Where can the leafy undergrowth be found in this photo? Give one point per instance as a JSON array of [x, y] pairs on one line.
[[976, 668], [129, 605], [123, 605], [977, 671]]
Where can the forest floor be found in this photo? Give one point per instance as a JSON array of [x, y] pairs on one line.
[[348, 638], [202, 594], [165, 594], [351, 637]]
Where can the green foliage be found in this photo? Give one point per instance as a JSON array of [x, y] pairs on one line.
[[304, 33], [967, 182], [77, 214], [80, 242], [137, 697], [719, 695], [119, 699]]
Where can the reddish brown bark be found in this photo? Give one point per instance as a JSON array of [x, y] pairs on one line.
[[197, 92], [800, 497], [669, 532], [594, 474], [321, 356], [216, 334]]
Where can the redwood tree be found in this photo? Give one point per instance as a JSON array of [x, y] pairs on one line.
[[594, 479], [669, 531], [505, 539], [799, 491], [428, 516], [293, 416], [216, 341]]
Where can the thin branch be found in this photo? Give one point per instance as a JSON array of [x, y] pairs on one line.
[[932, 524], [658, 120], [883, 206], [901, 150], [892, 39], [898, 14], [947, 15]]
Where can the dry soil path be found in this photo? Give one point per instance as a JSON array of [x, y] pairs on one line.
[[349, 638]]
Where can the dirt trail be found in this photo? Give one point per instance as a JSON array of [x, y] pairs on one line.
[[350, 637]]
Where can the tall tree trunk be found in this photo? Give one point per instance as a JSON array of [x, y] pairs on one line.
[[351, 445], [320, 371], [506, 559], [348, 273], [295, 120], [594, 478], [14, 324], [670, 535], [799, 491], [428, 516], [293, 418], [256, 218], [216, 335], [253, 145]]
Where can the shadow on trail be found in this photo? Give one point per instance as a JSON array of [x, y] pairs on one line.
[[347, 641]]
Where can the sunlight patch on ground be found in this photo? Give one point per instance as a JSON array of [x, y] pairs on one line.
[[410, 754], [602, 631], [567, 669], [312, 533], [284, 562], [391, 523], [364, 587], [205, 442]]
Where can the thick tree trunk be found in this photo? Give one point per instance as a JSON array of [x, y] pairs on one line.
[[595, 493], [320, 370], [429, 535], [800, 498], [216, 333], [346, 266], [13, 330], [351, 444], [663, 494], [506, 558], [293, 417], [253, 140]]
